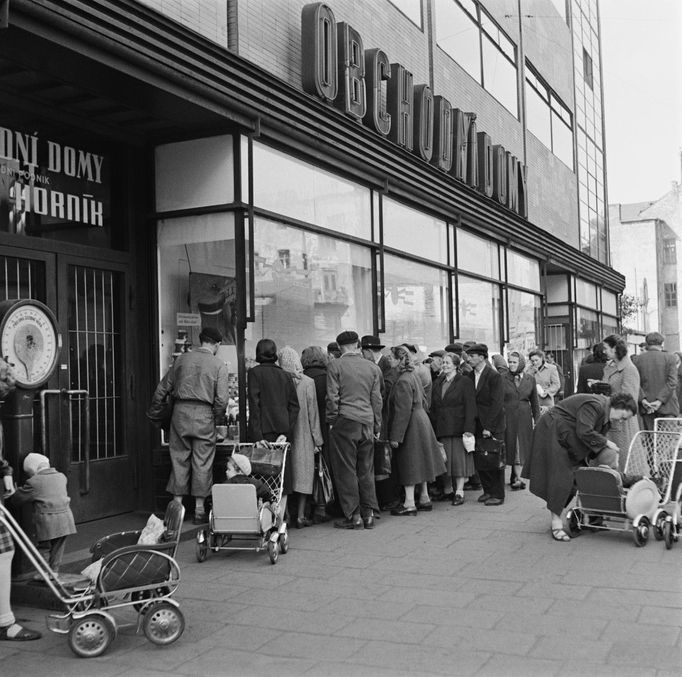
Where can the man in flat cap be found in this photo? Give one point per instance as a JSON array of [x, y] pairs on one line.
[[489, 418], [198, 381], [354, 417], [436, 363]]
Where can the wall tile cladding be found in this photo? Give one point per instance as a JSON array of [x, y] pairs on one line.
[[270, 34], [207, 17]]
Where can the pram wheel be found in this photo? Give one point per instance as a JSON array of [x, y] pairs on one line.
[[573, 521], [91, 635], [163, 623], [201, 545], [273, 551], [284, 542], [668, 533], [141, 596], [659, 522], [640, 531]]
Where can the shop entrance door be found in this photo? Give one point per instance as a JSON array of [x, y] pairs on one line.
[[79, 416]]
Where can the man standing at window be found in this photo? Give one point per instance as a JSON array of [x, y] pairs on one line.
[[354, 417], [198, 381]]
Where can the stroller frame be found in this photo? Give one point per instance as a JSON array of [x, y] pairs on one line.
[[89, 620], [668, 518], [250, 521], [651, 454]]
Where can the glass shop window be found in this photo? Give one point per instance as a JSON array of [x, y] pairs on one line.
[[197, 286], [476, 255], [479, 311], [523, 271], [288, 186], [525, 320], [321, 287], [416, 302], [587, 328]]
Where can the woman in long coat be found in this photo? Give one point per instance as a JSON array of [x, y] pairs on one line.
[[623, 377], [566, 437], [418, 457], [306, 439], [522, 410], [453, 414]]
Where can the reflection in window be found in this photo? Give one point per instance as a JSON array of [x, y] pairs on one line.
[[286, 185], [585, 293], [587, 328], [479, 311], [407, 229], [471, 38], [321, 287], [609, 325], [523, 271], [525, 320], [476, 255], [416, 302]]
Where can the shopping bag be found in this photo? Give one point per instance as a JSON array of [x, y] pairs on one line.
[[489, 454], [382, 458], [323, 489], [265, 460]]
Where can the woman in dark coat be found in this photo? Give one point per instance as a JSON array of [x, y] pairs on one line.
[[570, 435], [592, 369], [453, 415], [418, 457], [522, 411]]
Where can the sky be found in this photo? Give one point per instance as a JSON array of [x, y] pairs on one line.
[[642, 73]]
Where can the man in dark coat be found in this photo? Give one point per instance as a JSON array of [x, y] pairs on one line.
[[489, 420], [566, 437], [354, 415], [658, 382]]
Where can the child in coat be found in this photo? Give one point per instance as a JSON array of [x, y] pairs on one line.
[[52, 516]]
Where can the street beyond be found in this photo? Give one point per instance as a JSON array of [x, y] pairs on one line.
[[468, 590]]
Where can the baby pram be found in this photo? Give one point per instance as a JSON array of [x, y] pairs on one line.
[[237, 520], [667, 471], [141, 578], [602, 504]]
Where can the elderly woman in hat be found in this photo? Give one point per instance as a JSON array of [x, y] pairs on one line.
[[572, 434], [418, 457]]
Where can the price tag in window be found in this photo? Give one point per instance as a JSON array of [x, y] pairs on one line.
[[188, 319]]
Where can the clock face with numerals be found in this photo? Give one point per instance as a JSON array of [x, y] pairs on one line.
[[29, 342]]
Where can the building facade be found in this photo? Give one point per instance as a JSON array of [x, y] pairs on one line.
[[645, 238], [427, 170]]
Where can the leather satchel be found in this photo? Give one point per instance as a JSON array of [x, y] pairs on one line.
[[489, 454]]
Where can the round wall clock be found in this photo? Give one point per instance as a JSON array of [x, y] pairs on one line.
[[29, 341]]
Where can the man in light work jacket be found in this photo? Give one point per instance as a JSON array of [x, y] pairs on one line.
[[198, 381], [354, 417]]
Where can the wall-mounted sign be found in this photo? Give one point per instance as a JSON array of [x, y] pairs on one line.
[[188, 319], [338, 69], [45, 184]]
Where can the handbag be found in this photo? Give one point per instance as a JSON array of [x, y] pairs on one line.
[[265, 460], [489, 454], [382, 458], [323, 489], [160, 410]]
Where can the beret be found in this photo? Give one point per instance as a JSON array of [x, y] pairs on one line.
[[346, 337], [211, 334]]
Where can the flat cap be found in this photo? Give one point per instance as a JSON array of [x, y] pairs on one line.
[[437, 353], [478, 349], [456, 348], [333, 347], [346, 337], [210, 334], [369, 341]]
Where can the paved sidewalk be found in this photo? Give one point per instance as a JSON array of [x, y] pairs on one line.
[[471, 590]]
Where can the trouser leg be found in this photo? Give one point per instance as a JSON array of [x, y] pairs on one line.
[[56, 552], [365, 473], [343, 459]]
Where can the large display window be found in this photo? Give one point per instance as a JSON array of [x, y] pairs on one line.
[[308, 287], [416, 304], [524, 313], [479, 311]]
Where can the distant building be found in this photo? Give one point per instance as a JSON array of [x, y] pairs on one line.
[[645, 238]]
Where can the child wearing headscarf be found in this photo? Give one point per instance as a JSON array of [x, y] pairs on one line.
[[307, 437], [238, 471], [52, 516]]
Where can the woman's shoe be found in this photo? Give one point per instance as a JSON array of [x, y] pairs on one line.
[[518, 485], [20, 634], [560, 535], [425, 507], [402, 511], [458, 499], [303, 522], [445, 497]]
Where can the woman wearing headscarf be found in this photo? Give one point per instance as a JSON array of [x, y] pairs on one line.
[[522, 411], [418, 458], [622, 376], [453, 414], [306, 439]]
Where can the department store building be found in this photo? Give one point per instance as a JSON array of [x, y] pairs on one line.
[[423, 170]]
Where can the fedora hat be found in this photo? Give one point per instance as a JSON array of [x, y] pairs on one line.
[[371, 342]]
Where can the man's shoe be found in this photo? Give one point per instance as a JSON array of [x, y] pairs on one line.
[[389, 506], [458, 499], [483, 498], [402, 511], [354, 522], [494, 501], [368, 522]]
